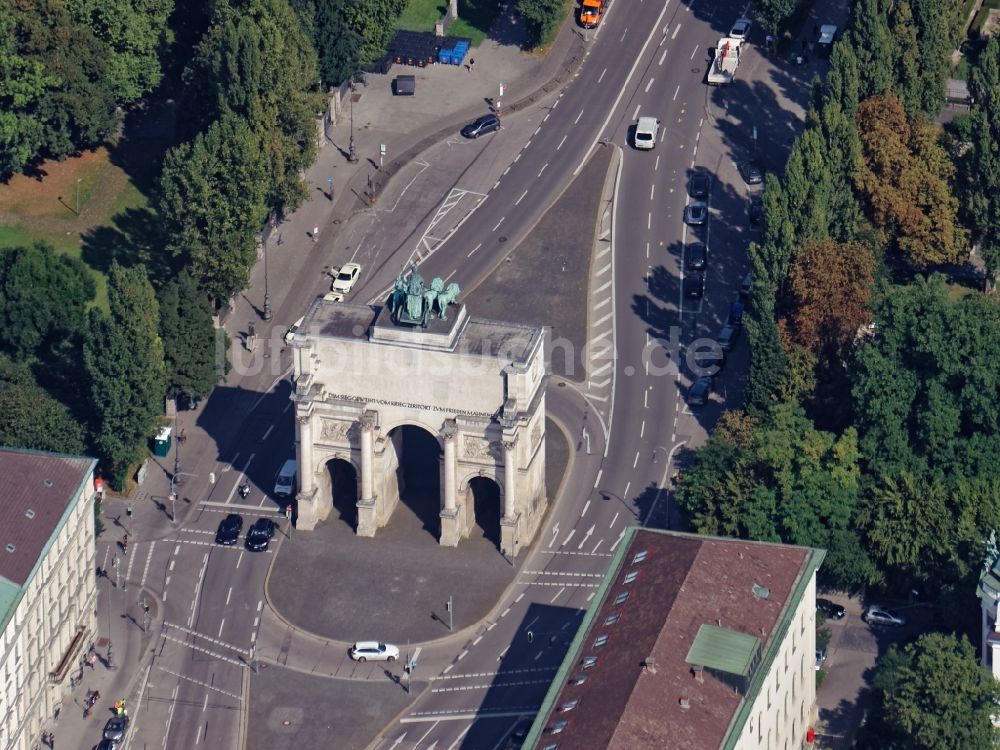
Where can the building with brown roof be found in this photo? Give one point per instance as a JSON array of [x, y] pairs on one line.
[[48, 590], [691, 642]]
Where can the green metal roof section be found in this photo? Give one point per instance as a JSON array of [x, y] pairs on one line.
[[572, 658], [814, 558], [10, 594], [725, 650]]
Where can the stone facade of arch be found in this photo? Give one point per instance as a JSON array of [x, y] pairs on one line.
[[478, 386]]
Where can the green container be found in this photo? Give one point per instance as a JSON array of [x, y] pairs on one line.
[[161, 443]]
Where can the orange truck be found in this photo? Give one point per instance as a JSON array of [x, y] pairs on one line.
[[590, 13]]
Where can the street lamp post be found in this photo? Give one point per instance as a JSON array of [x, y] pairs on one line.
[[267, 296], [111, 664], [352, 154]]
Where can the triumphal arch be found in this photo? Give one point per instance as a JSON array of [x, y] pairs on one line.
[[362, 372]]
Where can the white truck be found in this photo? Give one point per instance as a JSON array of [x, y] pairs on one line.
[[727, 58]]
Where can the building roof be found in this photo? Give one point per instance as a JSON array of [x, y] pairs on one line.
[[689, 619], [37, 491]]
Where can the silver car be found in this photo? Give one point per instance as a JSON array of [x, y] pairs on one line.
[[877, 616]]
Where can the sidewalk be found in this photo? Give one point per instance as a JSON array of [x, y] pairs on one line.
[[120, 621]]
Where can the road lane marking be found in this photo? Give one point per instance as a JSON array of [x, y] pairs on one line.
[[578, 117], [553, 599], [635, 115], [266, 433], [555, 532], [561, 142], [202, 684], [463, 654], [476, 642], [649, 85], [400, 739], [229, 595], [599, 543], [505, 612], [223, 622], [677, 91], [519, 597], [500, 658], [662, 57], [656, 164], [694, 52], [610, 525], [601, 78], [597, 481], [473, 250], [652, 190], [635, 462], [569, 536], [542, 169], [618, 540], [460, 737], [627, 485], [518, 201], [642, 428], [448, 669], [623, 34], [499, 223], [649, 221], [677, 28], [559, 573], [586, 507]]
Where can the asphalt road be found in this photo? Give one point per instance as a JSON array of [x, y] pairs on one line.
[[646, 58]]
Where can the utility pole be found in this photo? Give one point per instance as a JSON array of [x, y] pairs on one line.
[[111, 663], [267, 296], [451, 614], [145, 614], [352, 154]]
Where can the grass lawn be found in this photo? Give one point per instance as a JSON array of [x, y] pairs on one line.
[[45, 207], [474, 17]]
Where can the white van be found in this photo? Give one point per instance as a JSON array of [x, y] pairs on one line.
[[284, 485], [646, 130]]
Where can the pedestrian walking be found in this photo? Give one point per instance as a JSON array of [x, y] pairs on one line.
[[472, 63], [315, 235]]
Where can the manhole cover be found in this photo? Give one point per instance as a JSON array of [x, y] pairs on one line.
[[562, 384], [336, 221], [502, 238]]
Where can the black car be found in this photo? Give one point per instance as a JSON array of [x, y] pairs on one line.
[[755, 211], [736, 314], [481, 126], [700, 185], [752, 172], [697, 256], [115, 728], [694, 285], [259, 534], [700, 391], [728, 337], [829, 609], [229, 530], [745, 284]]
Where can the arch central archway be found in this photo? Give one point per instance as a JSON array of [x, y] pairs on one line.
[[416, 454], [344, 488]]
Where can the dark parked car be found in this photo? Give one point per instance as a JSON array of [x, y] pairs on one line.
[[830, 609], [700, 391], [728, 336], [752, 172], [694, 285], [696, 213], [745, 283], [736, 314], [229, 529], [115, 728], [518, 736], [260, 534], [755, 211], [481, 126], [700, 185], [697, 256], [107, 745]]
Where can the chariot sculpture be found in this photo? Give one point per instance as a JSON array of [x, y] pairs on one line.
[[412, 303]]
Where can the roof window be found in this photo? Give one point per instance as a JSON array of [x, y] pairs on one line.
[[578, 679], [29, 513], [612, 618], [640, 556], [10, 547], [557, 727], [631, 576], [621, 598], [588, 661], [568, 706], [600, 641]]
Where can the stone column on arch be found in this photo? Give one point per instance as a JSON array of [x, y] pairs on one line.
[[511, 520], [367, 518], [310, 507], [451, 531], [305, 453]]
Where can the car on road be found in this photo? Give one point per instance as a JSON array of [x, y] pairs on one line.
[[697, 256], [820, 658], [827, 36], [293, 329], [728, 337], [876, 615], [694, 285], [745, 283], [700, 391], [481, 126], [741, 27], [229, 530], [115, 728], [107, 745], [700, 185], [259, 534], [345, 279], [696, 213], [736, 310], [751, 171], [374, 651], [646, 131], [829, 609], [755, 210], [516, 738]]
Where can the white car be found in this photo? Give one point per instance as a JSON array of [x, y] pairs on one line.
[[740, 29], [345, 279], [646, 130], [293, 329], [374, 651]]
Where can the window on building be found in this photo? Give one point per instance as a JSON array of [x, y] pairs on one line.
[[631, 576], [600, 641], [620, 599], [612, 619], [640, 556]]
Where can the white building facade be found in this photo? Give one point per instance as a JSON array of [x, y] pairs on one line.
[[48, 588]]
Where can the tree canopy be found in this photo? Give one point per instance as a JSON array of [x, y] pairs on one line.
[[194, 352], [30, 418]]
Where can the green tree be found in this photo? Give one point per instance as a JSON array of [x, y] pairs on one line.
[[933, 695], [375, 22], [980, 165], [42, 295], [904, 176], [767, 379], [257, 63], [136, 36], [30, 418], [211, 204], [925, 385], [872, 42], [338, 45], [772, 14], [542, 17], [78, 109], [123, 357], [194, 354], [23, 83]]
